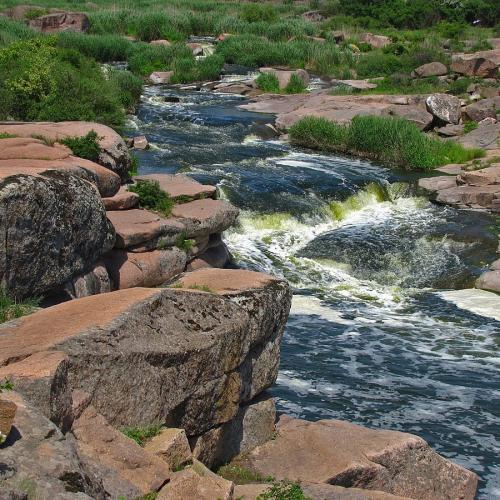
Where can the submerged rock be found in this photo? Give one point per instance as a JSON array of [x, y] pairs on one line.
[[343, 454]]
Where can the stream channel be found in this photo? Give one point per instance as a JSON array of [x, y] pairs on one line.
[[382, 330]]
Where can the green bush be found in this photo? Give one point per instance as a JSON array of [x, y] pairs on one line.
[[152, 196], [391, 140], [87, 147], [145, 58], [255, 12], [295, 85], [284, 490], [188, 69], [142, 434], [39, 81], [130, 87], [268, 82], [11, 308]]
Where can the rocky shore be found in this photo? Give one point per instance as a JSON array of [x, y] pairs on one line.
[[192, 357]]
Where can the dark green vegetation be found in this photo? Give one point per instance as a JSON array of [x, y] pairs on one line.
[[391, 140], [39, 81], [142, 434], [268, 82], [184, 243], [239, 475], [6, 385], [152, 196], [84, 147], [11, 308]]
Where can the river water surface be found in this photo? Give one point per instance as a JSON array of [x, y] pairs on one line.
[[378, 333]]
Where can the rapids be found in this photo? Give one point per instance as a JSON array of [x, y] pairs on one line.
[[383, 331]]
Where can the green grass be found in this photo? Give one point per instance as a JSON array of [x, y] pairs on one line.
[[11, 308], [152, 196], [5, 135], [268, 82], [184, 243], [394, 141], [295, 85], [142, 434], [284, 490], [87, 147], [239, 475]]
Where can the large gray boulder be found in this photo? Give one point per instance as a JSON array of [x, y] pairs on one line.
[[445, 108], [184, 358], [53, 226]]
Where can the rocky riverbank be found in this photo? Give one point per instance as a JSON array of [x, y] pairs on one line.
[[193, 357]]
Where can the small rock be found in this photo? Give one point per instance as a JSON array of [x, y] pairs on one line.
[[314, 16], [450, 130], [165, 43], [140, 142], [93, 282], [444, 107], [172, 446], [338, 36], [216, 257], [474, 65], [485, 108], [431, 69], [223, 36], [197, 483], [376, 41], [434, 184], [123, 200], [490, 281], [415, 114], [160, 77], [196, 48]]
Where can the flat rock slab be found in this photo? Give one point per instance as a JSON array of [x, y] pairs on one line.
[[345, 454], [214, 257], [204, 217], [123, 200], [185, 358], [490, 281], [29, 148], [435, 184], [469, 196], [483, 177], [114, 152], [130, 269], [135, 226], [180, 186], [485, 136]]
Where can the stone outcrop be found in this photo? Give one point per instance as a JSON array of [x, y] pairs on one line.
[[376, 41], [122, 200], [114, 152], [415, 114], [445, 108], [160, 77], [57, 22], [482, 64], [341, 109], [285, 76], [172, 446], [182, 357], [95, 281], [54, 227], [490, 280], [485, 108], [485, 136], [180, 186], [7, 414], [343, 454]]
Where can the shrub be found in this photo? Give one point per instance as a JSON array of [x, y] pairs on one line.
[[392, 140], [87, 147], [254, 12], [130, 87], [295, 85], [188, 69], [147, 58], [284, 490], [142, 434], [6, 385], [12, 309], [268, 82], [152, 196], [39, 81]]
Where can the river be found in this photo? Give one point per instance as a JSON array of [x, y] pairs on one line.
[[381, 331]]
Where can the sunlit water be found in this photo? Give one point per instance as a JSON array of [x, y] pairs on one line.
[[373, 336]]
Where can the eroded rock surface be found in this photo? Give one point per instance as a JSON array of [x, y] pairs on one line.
[[344, 454]]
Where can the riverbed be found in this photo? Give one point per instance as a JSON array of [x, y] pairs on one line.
[[383, 331]]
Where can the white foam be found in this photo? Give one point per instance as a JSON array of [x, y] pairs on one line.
[[477, 301], [307, 305]]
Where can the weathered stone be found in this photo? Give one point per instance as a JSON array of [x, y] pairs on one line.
[[160, 77], [431, 69], [415, 114], [124, 468], [264, 131], [490, 280], [354, 84], [253, 425], [180, 186], [284, 77], [469, 196], [179, 357], [7, 414], [114, 153], [475, 65], [123, 200], [485, 136], [495, 266], [54, 227], [61, 21], [483, 177], [37, 455], [233, 88], [134, 227], [217, 257], [434, 184], [172, 446], [450, 130], [165, 43], [93, 282], [313, 16], [197, 483], [128, 269], [344, 454], [376, 41], [485, 108], [444, 107], [202, 217], [140, 142], [196, 48]]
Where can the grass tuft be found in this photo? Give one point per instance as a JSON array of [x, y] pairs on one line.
[[141, 435], [11, 308]]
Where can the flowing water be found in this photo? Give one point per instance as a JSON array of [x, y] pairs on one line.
[[378, 334]]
